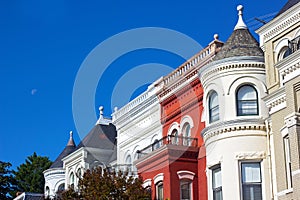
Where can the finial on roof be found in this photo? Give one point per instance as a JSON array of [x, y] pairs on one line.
[[102, 120], [115, 109], [101, 112], [240, 24], [71, 141], [216, 36]]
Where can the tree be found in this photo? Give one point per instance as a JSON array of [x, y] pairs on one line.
[[7, 181], [29, 175], [100, 184]]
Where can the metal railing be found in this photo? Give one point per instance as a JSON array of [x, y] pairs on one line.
[[171, 140], [294, 44], [123, 168]]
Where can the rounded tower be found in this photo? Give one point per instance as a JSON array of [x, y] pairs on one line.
[[55, 175], [235, 135]]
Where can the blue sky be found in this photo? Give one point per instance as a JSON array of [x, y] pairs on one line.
[[44, 43]]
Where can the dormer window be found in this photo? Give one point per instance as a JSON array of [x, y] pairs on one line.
[[213, 104], [247, 101]]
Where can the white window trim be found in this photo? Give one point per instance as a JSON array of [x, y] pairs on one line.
[[283, 43], [155, 137], [173, 126], [208, 106], [261, 174], [211, 179], [184, 120], [156, 188], [159, 177], [186, 175], [147, 183]]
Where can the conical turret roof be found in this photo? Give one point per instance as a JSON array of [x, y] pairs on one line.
[[58, 163], [240, 43]]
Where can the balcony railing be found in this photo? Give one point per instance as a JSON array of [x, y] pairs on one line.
[[171, 140], [294, 44], [123, 168]]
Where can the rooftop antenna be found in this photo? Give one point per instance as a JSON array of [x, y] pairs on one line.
[[260, 20]]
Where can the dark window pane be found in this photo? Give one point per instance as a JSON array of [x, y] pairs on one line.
[[252, 192]]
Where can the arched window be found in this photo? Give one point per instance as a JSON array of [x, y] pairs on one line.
[[128, 162], [149, 191], [174, 136], [186, 134], [79, 175], [247, 101], [71, 179], [160, 191], [47, 192], [283, 53], [155, 144], [61, 188], [213, 106]]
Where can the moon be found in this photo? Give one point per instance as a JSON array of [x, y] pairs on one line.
[[33, 91]]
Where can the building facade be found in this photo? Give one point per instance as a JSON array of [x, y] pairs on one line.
[[223, 125], [174, 166], [280, 40], [138, 125], [55, 175], [235, 135], [97, 148]]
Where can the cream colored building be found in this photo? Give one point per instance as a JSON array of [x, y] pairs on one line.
[[235, 135], [280, 40]]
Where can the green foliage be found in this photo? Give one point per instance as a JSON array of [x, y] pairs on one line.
[[98, 184], [29, 175], [7, 181]]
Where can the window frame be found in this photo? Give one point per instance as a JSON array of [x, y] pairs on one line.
[[72, 180], [61, 187], [214, 189], [239, 102], [159, 185], [211, 108], [155, 144], [190, 189], [128, 162], [244, 184], [175, 136], [187, 137], [47, 192], [284, 52], [287, 160]]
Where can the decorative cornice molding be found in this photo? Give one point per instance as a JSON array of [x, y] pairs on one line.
[[136, 104], [250, 155], [276, 101], [279, 24], [289, 67], [122, 118], [230, 66], [183, 89], [292, 120], [183, 108], [54, 171], [233, 126]]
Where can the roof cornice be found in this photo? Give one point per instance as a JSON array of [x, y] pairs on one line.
[[279, 23]]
